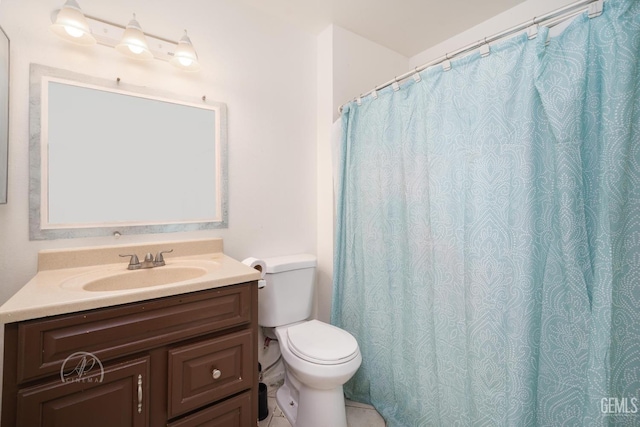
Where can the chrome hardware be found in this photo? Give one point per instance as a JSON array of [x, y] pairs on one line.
[[148, 261], [216, 373], [160, 259], [139, 394], [134, 262]]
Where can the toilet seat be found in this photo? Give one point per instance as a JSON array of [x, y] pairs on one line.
[[321, 343]]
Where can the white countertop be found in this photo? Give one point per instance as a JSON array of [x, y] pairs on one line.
[[46, 294]]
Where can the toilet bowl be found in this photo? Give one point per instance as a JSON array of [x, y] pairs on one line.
[[318, 358]]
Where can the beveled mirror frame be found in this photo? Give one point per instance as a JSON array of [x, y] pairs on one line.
[[39, 229], [5, 54]]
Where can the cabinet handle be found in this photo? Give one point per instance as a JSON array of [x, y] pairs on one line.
[[139, 394], [216, 373]]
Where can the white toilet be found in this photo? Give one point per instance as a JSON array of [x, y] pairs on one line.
[[318, 358]]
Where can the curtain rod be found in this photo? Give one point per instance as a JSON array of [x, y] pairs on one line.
[[554, 17]]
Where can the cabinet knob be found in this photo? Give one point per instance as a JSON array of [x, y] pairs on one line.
[[216, 373]]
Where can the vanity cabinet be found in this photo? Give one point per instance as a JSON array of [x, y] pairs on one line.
[[183, 360], [107, 403]]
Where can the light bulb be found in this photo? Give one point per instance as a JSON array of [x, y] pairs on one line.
[[70, 24], [185, 61], [73, 32], [185, 56], [136, 49], [133, 43]]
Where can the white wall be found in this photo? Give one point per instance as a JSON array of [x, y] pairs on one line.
[[348, 64], [360, 64], [517, 15], [324, 189], [263, 69]]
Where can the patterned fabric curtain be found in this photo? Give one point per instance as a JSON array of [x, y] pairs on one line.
[[487, 253]]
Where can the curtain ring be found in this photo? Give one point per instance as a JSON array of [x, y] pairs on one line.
[[416, 76], [395, 85]]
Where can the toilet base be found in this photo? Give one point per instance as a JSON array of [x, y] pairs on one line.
[[308, 407]]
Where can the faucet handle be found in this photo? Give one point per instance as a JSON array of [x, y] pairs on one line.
[[134, 262], [160, 259]]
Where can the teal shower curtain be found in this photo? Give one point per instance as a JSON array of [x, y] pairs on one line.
[[487, 253]]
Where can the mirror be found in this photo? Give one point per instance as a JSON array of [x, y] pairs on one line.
[[109, 157], [4, 114]]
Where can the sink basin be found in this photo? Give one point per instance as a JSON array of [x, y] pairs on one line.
[[144, 278], [119, 279]]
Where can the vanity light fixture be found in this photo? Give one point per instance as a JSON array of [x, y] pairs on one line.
[[71, 24], [133, 43], [185, 56]]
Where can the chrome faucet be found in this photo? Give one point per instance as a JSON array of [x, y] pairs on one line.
[[149, 260]]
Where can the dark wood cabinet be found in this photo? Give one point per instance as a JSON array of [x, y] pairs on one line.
[[105, 398], [209, 370], [230, 413], [184, 360]]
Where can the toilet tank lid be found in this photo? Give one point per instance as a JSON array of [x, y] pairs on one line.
[[290, 262]]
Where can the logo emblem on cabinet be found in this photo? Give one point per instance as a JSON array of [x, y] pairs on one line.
[[82, 366]]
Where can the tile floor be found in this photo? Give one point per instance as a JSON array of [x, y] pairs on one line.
[[358, 414]]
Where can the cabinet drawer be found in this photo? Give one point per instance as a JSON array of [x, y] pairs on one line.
[[108, 333], [210, 370], [234, 412], [93, 399]]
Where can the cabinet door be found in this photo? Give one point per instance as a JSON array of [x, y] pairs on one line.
[[114, 396], [234, 412], [210, 370]]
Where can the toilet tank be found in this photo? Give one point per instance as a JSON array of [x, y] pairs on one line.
[[288, 293]]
